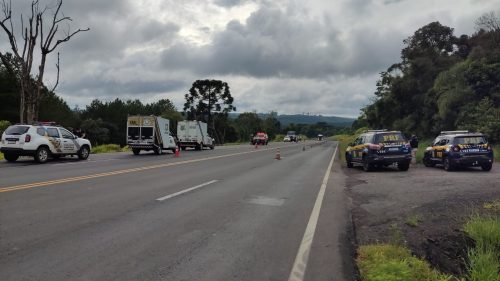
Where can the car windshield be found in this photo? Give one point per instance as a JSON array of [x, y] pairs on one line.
[[470, 140], [388, 137], [17, 130]]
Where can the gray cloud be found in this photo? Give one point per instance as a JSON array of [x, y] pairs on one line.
[[229, 3], [285, 55]]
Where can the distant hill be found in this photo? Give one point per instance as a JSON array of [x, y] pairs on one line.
[[307, 119]]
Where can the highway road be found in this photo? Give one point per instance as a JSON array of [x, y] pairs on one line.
[[234, 213]]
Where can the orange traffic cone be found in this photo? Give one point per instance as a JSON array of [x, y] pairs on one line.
[[278, 154], [177, 152]]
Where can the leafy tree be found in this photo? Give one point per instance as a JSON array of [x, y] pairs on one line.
[[206, 97], [95, 131], [271, 125], [248, 124]]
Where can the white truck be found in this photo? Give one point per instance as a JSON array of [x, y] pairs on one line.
[[149, 133], [194, 134]]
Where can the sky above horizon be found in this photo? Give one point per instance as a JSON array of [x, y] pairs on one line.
[[289, 56]]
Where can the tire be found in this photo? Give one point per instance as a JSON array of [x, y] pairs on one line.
[[42, 154], [136, 151], [403, 166], [428, 162], [367, 167], [212, 147], [11, 157], [348, 161], [198, 147], [448, 166], [158, 150], [83, 153], [487, 167]]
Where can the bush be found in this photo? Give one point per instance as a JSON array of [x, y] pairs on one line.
[[4, 124], [107, 148], [387, 262]]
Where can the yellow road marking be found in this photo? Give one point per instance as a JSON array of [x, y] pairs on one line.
[[119, 172]]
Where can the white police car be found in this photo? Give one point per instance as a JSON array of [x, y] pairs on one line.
[[42, 141]]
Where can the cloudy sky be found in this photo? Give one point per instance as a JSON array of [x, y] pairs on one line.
[[290, 56]]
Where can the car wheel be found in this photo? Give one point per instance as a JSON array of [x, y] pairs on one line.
[[428, 162], [42, 154], [403, 166], [11, 157], [447, 164], [83, 153], [487, 167], [367, 166], [348, 161], [136, 151], [158, 151], [212, 147]]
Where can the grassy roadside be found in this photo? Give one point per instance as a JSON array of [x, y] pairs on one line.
[[107, 148], [394, 261], [1, 156]]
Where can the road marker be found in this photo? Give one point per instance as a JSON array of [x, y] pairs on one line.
[[300, 265], [185, 190]]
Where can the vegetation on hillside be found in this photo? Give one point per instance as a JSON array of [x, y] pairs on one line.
[[442, 82]]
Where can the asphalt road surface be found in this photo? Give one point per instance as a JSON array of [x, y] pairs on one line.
[[234, 213]]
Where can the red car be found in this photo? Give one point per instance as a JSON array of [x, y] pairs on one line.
[[260, 138]]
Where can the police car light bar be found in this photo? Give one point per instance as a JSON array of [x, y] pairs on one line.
[[454, 132]]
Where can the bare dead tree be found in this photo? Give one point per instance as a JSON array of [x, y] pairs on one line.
[[30, 89], [489, 22]]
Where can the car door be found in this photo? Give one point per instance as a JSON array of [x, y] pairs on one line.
[[69, 145], [55, 141], [357, 149], [439, 149]]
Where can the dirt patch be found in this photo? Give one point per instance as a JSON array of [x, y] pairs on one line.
[[384, 203]]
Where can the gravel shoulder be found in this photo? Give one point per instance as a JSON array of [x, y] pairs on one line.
[[385, 200]]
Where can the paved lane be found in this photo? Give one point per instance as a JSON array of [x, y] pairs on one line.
[[244, 222]]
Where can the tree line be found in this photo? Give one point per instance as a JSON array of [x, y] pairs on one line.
[[442, 82], [106, 121]]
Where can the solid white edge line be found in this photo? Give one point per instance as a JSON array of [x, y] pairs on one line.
[[185, 190], [300, 265]]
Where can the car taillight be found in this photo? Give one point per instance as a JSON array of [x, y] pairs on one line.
[[27, 138], [455, 148]]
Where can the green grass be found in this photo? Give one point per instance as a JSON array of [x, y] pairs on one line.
[[483, 265], [484, 259], [344, 141], [386, 262], [1, 156], [485, 230], [414, 220], [107, 148], [493, 205], [422, 145]]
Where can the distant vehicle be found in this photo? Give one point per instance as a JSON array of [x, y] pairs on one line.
[[149, 133], [455, 149], [42, 141], [286, 139], [260, 138], [292, 135], [320, 137], [194, 134], [379, 148]]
